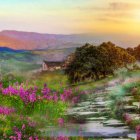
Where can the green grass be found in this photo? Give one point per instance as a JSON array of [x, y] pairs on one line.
[[122, 90], [55, 80]]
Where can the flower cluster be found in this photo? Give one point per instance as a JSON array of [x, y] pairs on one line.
[[6, 110], [138, 132], [31, 95], [62, 138], [20, 134], [60, 121], [127, 118]]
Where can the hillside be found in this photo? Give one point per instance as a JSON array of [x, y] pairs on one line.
[[32, 41], [54, 54], [19, 60]]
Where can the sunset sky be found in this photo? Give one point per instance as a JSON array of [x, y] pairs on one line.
[[71, 16]]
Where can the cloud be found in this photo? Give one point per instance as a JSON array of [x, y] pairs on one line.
[[123, 6], [117, 6], [112, 11]]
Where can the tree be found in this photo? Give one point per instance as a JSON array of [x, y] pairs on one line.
[[137, 52], [95, 62]]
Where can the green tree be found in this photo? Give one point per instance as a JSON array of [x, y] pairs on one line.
[[95, 62]]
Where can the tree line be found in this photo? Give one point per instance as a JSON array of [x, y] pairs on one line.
[[134, 52], [95, 62]]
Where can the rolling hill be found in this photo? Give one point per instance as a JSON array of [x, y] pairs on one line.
[[32, 41]]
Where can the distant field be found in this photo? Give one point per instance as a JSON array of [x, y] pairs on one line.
[[54, 55], [30, 60], [18, 62]]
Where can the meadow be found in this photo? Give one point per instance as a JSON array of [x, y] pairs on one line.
[[30, 101]]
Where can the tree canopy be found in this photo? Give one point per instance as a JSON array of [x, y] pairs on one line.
[[135, 52], [95, 62]]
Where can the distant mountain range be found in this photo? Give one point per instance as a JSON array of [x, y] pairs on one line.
[[32, 41], [6, 49], [20, 40]]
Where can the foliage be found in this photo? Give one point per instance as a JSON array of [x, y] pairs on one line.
[[95, 62], [37, 106], [135, 52], [118, 96]]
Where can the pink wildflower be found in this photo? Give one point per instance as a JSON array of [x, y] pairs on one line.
[[23, 126], [138, 132], [60, 121]]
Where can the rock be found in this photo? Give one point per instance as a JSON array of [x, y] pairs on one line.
[[128, 98], [76, 109], [130, 108], [96, 119], [104, 109], [136, 104], [97, 130], [133, 115], [114, 123], [117, 139], [99, 99], [89, 129], [83, 104], [87, 114], [98, 106], [132, 136]]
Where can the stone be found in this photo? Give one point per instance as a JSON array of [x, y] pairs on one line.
[[113, 123], [89, 129], [84, 115], [104, 109], [83, 104], [136, 104], [128, 98], [99, 99], [96, 119], [132, 136], [117, 139], [75, 109], [98, 106], [130, 108], [97, 130]]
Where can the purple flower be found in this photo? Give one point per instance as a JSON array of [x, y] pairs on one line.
[[60, 121], [138, 132], [23, 126], [32, 97], [6, 110], [31, 138]]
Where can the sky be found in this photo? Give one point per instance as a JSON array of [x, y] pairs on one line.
[[71, 16]]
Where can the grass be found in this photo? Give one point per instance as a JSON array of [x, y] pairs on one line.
[[55, 80], [129, 88], [46, 113]]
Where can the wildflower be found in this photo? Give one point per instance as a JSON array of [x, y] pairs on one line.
[[75, 100], [13, 138], [1, 85], [127, 118], [32, 97], [62, 138], [31, 138], [23, 126], [19, 135], [31, 124], [36, 138], [60, 121], [138, 132], [62, 97], [6, 110]]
